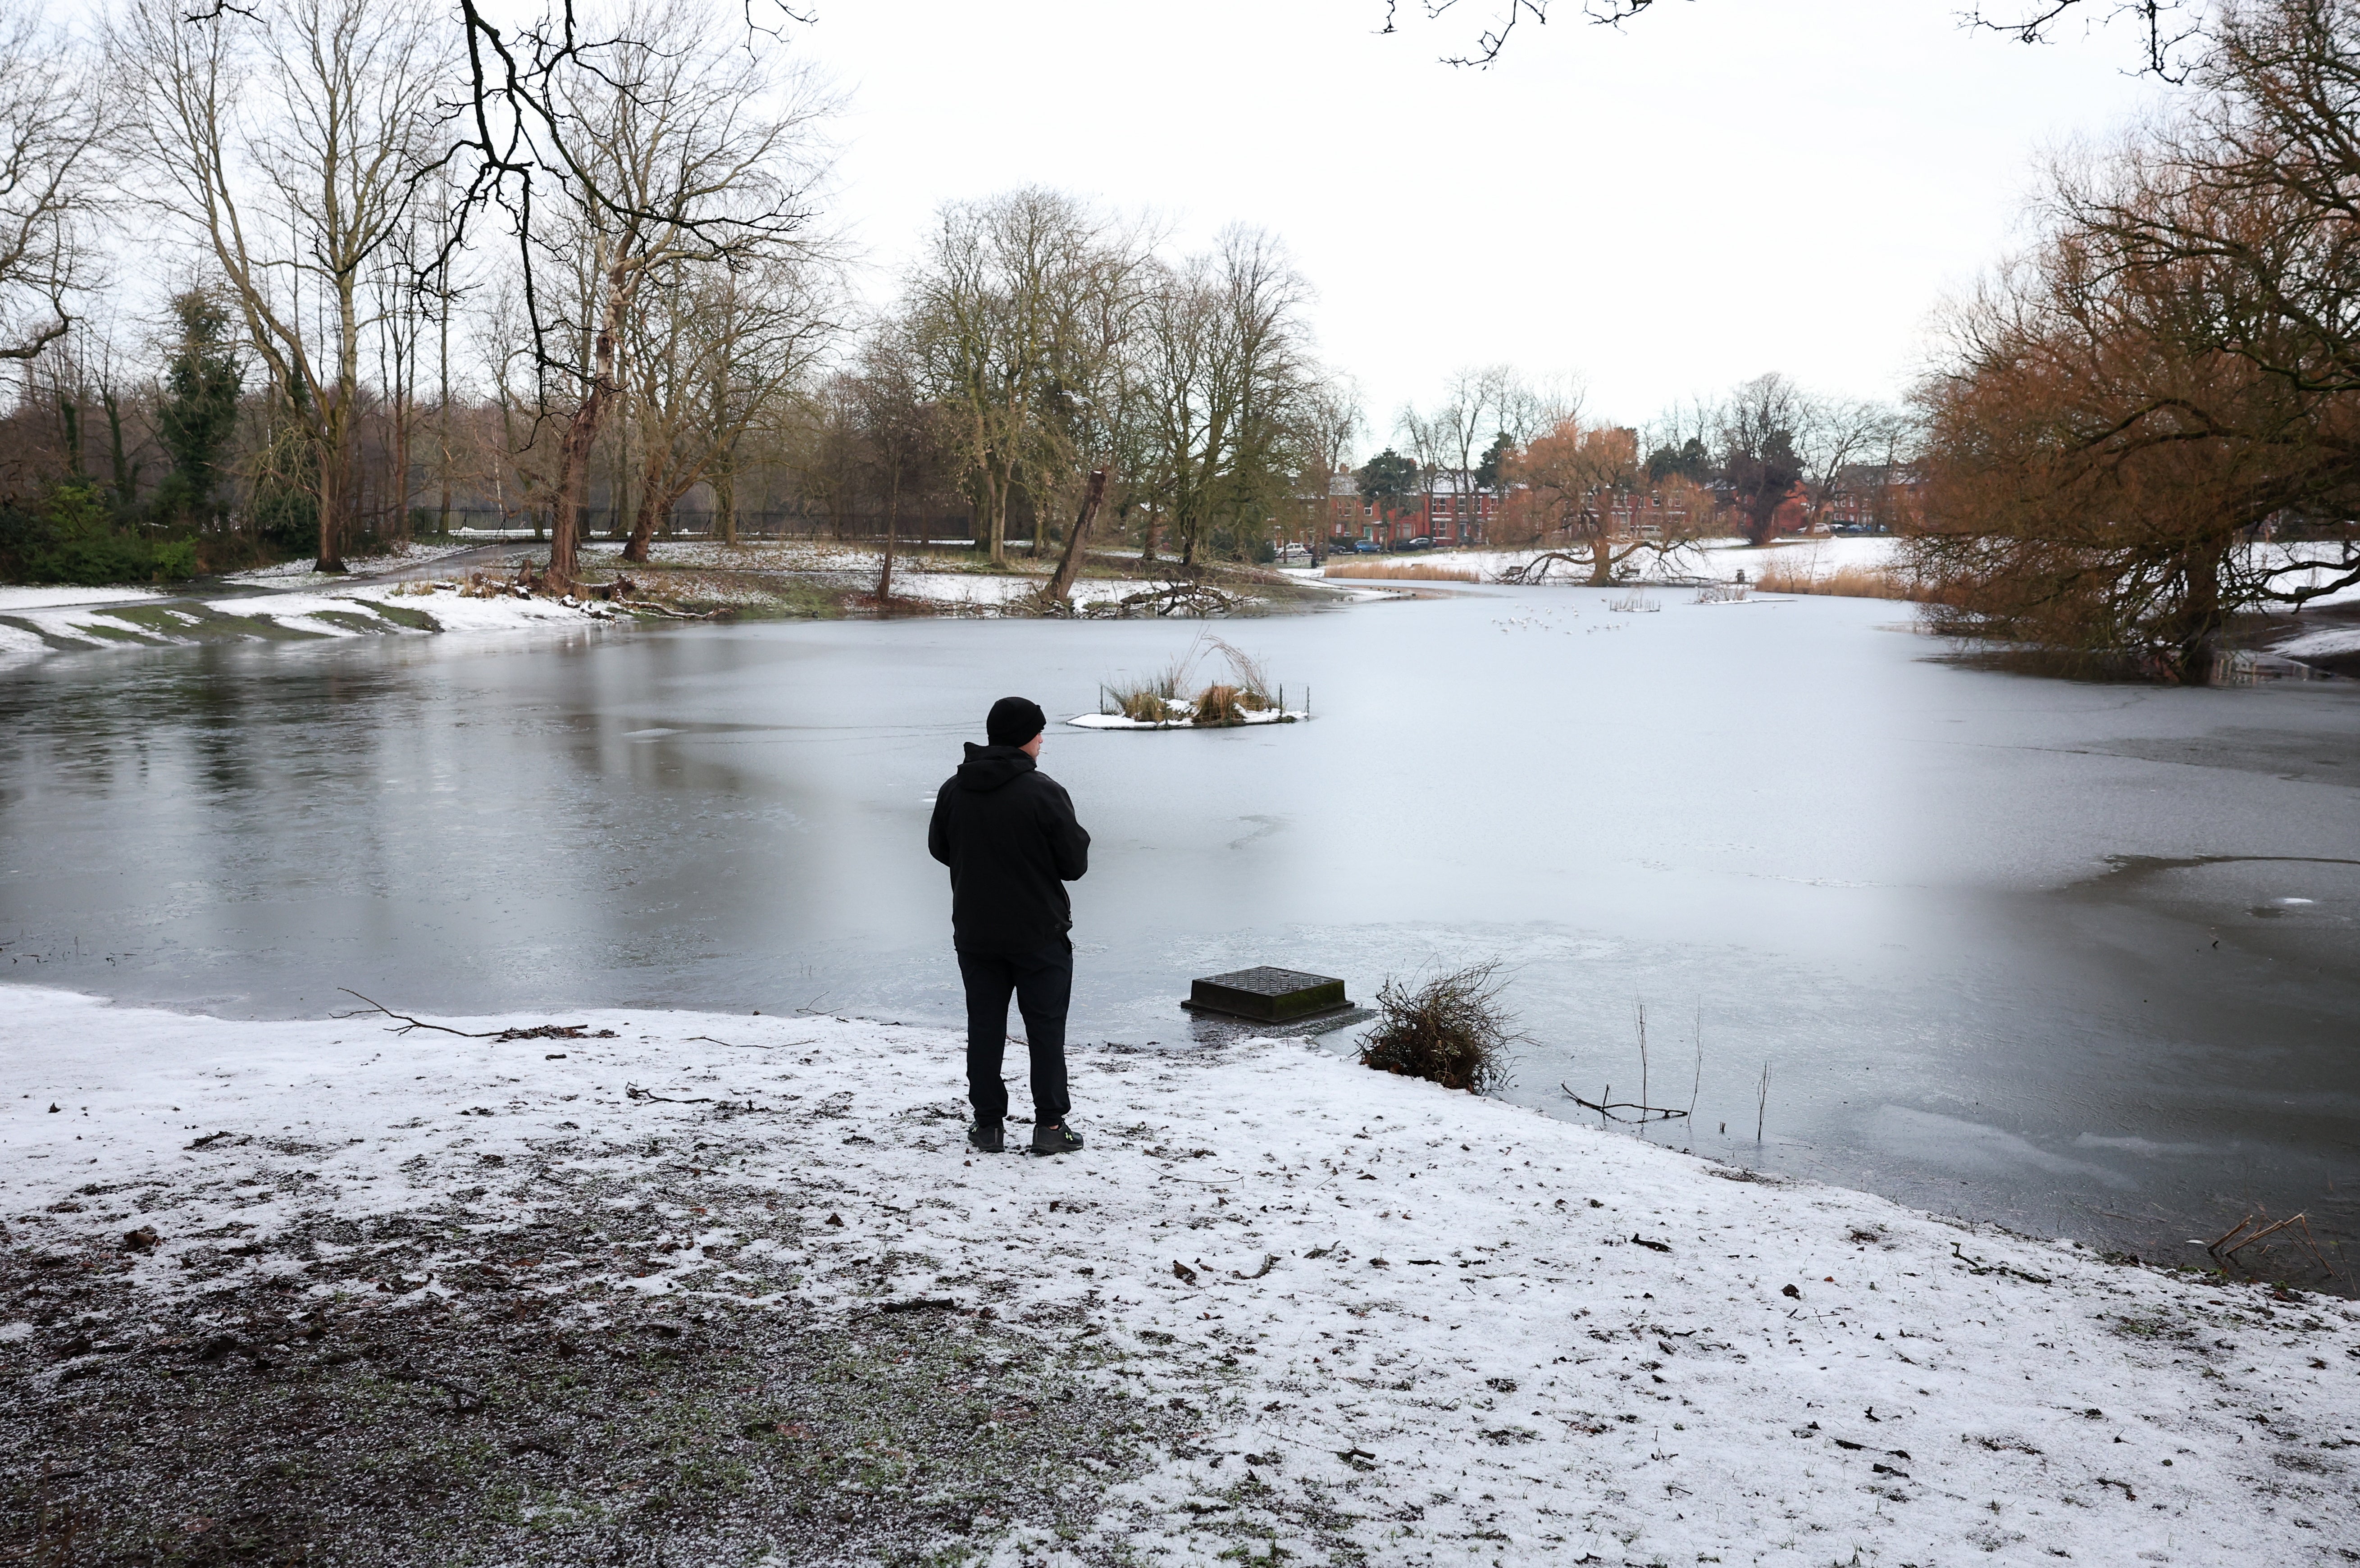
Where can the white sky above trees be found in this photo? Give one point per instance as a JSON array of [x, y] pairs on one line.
[[1721, 188]]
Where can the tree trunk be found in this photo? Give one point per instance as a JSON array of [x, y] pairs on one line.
[[573, 453], [123, 481], [2198, 649], [1060, 583], [995, 486], [443, 411], [332, 503], [885, 568], [656, 501], [725, 496], [1601, 561]]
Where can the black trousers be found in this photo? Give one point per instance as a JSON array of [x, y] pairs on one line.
[[1041, 982]]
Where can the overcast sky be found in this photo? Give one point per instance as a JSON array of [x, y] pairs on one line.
[[1720, 188]]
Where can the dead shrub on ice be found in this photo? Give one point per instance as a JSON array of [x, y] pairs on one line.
[[1451, 1030]]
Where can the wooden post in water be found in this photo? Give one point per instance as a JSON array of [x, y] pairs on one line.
[[1061, 585]]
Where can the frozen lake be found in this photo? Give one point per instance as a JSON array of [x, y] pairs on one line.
[[2081, 959]]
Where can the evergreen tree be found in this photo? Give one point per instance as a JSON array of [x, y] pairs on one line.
[[198, 410], [1689, 461], [1487, 472], [1388, 476]]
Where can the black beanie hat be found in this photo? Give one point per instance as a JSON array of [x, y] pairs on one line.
[[1014, 721]]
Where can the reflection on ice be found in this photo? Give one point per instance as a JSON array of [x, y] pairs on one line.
[[1972, 1146]]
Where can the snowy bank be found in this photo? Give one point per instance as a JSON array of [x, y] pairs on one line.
[[1393, 1324], [385, 610], [406, 555]]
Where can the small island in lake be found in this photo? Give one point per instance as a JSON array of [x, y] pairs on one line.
[[1243, 695]]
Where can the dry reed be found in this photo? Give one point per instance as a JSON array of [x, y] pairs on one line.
[[1222, 703], [1843, 582], [1155, 698], [1411, 570]]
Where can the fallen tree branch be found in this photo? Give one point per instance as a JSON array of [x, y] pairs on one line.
[[1536, 569], [791, 1045], [408, 1023], [653, 608], [1169, 598], [531, 1032], [1608, 1108]]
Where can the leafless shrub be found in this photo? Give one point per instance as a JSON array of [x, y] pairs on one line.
[[1633, 602], [1451, 1030]]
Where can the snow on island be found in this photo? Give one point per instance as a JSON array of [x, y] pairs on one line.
[[1185, 718], [1392, 1324]]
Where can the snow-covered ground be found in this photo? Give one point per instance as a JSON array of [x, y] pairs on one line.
[[1718, 560], [2319, 644], [1408, 1325], [297, 574], [357, 612], [926, 578], [18, 597]]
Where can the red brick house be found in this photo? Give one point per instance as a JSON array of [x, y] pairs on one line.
[[1452, 510]]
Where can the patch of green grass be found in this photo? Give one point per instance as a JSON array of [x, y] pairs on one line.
[[403, 615], [149, 618], [106, 633]]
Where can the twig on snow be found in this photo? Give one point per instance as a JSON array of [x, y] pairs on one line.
[[1977, 1265], [408, 1023]]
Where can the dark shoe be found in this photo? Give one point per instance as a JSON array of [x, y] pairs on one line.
[[1059, 1139], [991, 1137]]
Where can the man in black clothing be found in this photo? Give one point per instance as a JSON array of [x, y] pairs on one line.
[[1007, 831]]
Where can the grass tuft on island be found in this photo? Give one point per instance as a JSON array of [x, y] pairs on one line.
[[1242, 694]]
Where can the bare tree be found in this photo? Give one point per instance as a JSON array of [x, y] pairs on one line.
[[1219, 387], [1428, 437], [1011, 320], [286, 144], [908, 447], [2171, 32], [1587, 487], [670, 144], [1841, 438], [2147, 425], [715, 353], [56, 174], [1762, 426], [1331, 422]]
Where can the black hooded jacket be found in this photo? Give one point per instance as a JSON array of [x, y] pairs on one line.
[[1007, 831]]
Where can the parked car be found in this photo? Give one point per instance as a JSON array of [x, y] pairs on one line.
[[1366, 547], [1420, 542]]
